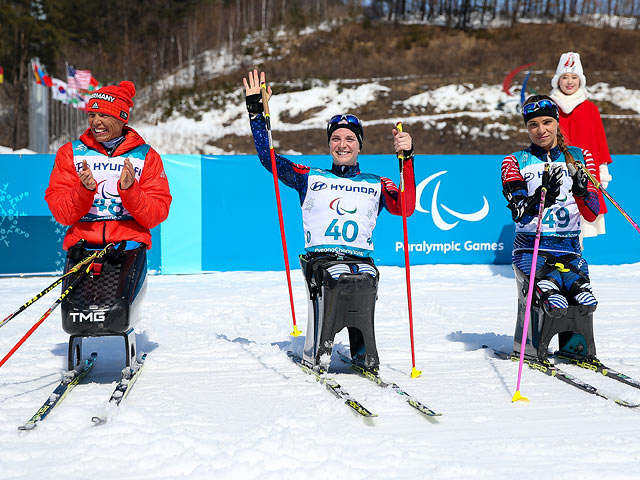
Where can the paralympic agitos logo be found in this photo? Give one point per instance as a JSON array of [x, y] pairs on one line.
[[435, 206], [104, 192], [340, 210]]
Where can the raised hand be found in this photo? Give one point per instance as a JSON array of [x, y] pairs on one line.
[[86, 177], [253, 81], [253, 92]]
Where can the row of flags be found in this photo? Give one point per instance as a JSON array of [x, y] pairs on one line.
[[79, 85]]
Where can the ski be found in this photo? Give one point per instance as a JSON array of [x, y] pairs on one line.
[[124, 386], [334, 387], [69, 380], [597, 366], [410, 399], [550, 369]]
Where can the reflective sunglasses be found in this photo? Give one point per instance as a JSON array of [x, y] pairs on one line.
[[347, 117], [539, 105]]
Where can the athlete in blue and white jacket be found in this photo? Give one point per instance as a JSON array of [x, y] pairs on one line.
[[560, 267], [340, 209], [340, 206]]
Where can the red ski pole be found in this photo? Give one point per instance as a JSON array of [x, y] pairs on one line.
[[274, 170], [72, 285], [414, 371]]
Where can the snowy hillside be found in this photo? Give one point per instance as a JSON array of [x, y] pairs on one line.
[[220, 399], [308, 110], [468, 111], [448, 107]]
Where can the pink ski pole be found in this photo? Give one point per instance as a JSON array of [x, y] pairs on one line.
[[599, 186], [532, 276]]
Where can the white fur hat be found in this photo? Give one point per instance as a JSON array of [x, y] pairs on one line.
[[569, 63]]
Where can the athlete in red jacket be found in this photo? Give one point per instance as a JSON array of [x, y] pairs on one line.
[[108, 186], [581, 125]]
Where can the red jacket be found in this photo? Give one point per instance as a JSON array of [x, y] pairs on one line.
[[147, 200], [583, 128]]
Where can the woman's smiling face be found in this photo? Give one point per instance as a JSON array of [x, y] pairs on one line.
[[569, 83], [543, 132], [104, 127], [344, 147]]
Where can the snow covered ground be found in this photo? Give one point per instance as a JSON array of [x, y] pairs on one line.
[[219, 398]]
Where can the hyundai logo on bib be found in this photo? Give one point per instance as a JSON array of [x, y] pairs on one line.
[[315, 186], [351, 188]]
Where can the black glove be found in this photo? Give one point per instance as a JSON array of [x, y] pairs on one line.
[[406, 155], [515, 193], [580, 181], [77, 252], [552, 179], [116, 255], [254, 103], [517, 206]]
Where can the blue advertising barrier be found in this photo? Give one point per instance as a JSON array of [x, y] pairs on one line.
[[223, 215]]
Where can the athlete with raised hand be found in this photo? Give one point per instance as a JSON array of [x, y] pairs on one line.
[[340, 207]]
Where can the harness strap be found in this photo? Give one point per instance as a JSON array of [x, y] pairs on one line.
[[562, 264]]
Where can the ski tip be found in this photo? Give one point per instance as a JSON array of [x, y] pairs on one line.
[[295, 332], [415, 373], [27, 426], [360, 410], [517, 397]]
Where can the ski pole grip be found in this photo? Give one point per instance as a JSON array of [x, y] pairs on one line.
[[265, 98], [593, 179], [400, 154], [547, 169]]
